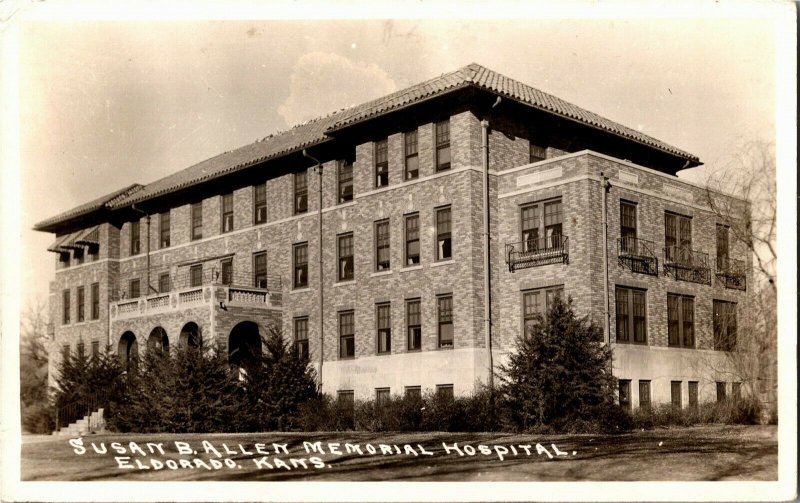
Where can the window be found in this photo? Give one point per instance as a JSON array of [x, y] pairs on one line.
[[445, 311], [136, 244], [631, 318], [442, 130], [382, 163], [163, 226], [300, 192], [443, 235], [644, 394], [226, 271], [95, 349], [724, 325], [81, 304], [63, 260], [347, 338], [382, 255], [94, 252], [346, 270], [444, 391], [542, 233], [197, 220], [163, 283], [412, 154], [95, 301], [537, 152], [680, 320], [81, 350], [300, 257], [627, 227], [384, 325], [227, 212], [412, 239], [552, 224], [736, 390], [537, 302], [133, 288], [675, 394], [625, 393], [414, 324], [414, 392], [346, 397], [677, 237], [260, 270], [693, 394], [721, 396], [723, 247], [382, 395], [196, 275], [65, 307], [260, 203], [301, 337], [65, 351], [530, 227], [78, 256], [345, 181]]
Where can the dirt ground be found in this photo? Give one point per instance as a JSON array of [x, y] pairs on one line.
[[707, 453]]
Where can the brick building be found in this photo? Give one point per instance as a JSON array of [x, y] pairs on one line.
[[362, 234]]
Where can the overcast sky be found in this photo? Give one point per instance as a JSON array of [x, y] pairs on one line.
[[106, 104]]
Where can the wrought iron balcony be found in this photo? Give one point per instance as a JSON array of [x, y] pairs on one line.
[[732, 273], [637, 255], [537, 252], [685, 264]]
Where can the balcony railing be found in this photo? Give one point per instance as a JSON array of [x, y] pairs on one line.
[[637, 255], [209, 289], [537, 252], [732, 273], [685, 264]]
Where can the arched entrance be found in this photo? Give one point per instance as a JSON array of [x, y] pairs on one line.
[[244, 345], [158, 340], [128, 351], [191, 336]]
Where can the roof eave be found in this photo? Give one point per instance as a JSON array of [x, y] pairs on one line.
[[693, 160], [134, 199]]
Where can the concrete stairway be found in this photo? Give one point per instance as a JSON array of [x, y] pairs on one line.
[[88, 424]]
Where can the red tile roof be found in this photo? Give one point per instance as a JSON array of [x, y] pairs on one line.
[[483, 78], [315, 132], [105, 201]]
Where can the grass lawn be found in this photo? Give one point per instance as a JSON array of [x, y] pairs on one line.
[[701, 453]]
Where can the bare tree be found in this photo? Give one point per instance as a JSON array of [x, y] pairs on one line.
[[34, 394], [750, 176]]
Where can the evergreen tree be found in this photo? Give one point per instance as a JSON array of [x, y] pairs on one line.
[[188, 390], [85, 383], [559, 373], [279, 384]]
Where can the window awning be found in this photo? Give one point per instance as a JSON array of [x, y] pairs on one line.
[[70, 242], [56, 246], [89, 237]]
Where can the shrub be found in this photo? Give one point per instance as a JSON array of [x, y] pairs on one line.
[[82, 381], [38, 418], [189, 390], [277, 384], [741, 411], [559, 375]]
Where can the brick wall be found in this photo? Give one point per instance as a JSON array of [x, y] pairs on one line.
[[575, 178]]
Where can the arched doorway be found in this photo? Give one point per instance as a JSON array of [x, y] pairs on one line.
[[128, 351], [158, 340], [191, 336], [244, 345]]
